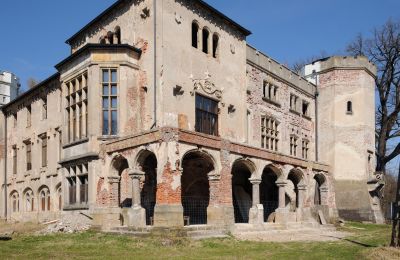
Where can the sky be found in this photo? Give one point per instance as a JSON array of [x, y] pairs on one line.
[[34, 31]]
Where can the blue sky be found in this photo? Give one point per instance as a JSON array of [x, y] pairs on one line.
[[34, 31]]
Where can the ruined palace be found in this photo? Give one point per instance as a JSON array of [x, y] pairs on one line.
[[163, 116]]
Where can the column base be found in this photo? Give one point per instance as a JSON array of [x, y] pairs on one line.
[[137, 217], [256, 215], [220, 215], [168, 215]]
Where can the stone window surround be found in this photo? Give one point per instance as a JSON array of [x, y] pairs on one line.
[[305, 149], [269, 133], [110, 109], [212, 39], [76, 175], [293, 145]]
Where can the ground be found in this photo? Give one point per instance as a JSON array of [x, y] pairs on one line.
[[366, 241]]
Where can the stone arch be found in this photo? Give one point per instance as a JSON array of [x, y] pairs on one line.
[[147, 162], [205, 37], [44, 198], [242, 171], [197, 166], [28, 200], [295, 184], [119, 171], [102, 40], [110, 37], [14, 198], [320, 189], [215, 45], [117, 35], [195, 34], [269, 191]]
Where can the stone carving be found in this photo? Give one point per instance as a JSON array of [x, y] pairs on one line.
[[207, 86]]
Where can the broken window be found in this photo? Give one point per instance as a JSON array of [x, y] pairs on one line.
[[269, 133], [294, 103], [195, 35], [293, 145], [206, 35], [215, 45], [206, 115], [45, 199], [110, 102]]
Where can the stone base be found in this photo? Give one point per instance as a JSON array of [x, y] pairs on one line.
[[220, 215], [168, 216], [107, 218], [136, 217], [256, 215]]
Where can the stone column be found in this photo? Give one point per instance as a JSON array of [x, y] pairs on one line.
[[256, 214], [113, 194], [281, 213], [281, 185], [301, 190], [136, 214], [324, 195]]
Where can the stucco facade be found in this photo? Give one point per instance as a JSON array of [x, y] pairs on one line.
[[163, 116]]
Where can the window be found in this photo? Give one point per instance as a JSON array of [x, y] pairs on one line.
[[269, 133], [206, 35], [77, 108], [206, 115], [304, 148], [84, 189], [45, 199], [15, 120], [44, 150], [72, 190], [117, 35], [15, 202], [349, 107], [293, 145], [78, 184], [28, 116], [305, 107], [195, 35], [15, 159], [294, 103], [59, 196], [270, 91], [28, 147], [44, 108], [215, 45], [110, 102], [29, 201]]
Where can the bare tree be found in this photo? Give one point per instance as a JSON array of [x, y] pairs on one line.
[[31, 82], [299, 65], [383, 49]]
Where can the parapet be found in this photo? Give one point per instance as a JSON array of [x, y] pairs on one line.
[[347, 62]]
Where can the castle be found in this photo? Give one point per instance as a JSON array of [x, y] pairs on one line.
[[164, 116]]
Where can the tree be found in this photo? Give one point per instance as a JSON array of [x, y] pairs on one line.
[[383, 49], [31, 82], [299, 65]]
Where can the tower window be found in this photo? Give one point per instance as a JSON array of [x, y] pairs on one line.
[[206, 35], [215, 45], [349, 107], [195, 35]]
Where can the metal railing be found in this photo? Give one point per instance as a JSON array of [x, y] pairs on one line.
[[195, 210], [269, 208], [241, 210]]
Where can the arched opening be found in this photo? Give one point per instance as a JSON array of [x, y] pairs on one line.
[[59, 197], [319, 181], [120, 166], [45, 201], [148, 164], [14, 202], [241, 191], [349, 107], [292, 191], [110, 37], [195, 187], [117, 35], [215, 49], [269, 193], [195, 35], [29, 200], [205, 37], [102, 40]]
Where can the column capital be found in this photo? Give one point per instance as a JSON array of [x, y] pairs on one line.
[[255, 181], [302, 187], [323, 189], [136, 173], [113, 179], [280, 183], [214, 176]]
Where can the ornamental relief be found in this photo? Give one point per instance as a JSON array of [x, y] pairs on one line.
[[206, 86]]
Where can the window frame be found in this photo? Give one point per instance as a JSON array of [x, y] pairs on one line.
[[201, 113], [109, 96]]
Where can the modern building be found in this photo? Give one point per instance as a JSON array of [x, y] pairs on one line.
[[164, 116], [9, 87]]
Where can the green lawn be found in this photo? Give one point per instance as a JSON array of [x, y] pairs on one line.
[[366, 241]]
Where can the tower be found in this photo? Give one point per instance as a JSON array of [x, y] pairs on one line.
[[346, 132]]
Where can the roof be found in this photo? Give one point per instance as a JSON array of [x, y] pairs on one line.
[[98, 46], [36, 87], [120, 2]]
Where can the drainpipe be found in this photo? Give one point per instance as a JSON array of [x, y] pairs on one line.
[[5, 167], [316, 117], [155, 64]]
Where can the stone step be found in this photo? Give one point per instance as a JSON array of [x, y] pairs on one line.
[[204, 234]]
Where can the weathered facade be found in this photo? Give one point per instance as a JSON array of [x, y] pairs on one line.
[[163, 116]]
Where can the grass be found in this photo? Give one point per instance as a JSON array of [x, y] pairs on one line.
[[366, 242]]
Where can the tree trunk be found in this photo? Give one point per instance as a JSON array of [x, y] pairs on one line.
[[395, 241]]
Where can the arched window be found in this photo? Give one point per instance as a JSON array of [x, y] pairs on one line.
[[59, 197], [15, 201], [117, 35], [29, 201], [206, 35], [349, 107], [195, 35], [103, 40], [45, 199], [215, 45], [110, 37]]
